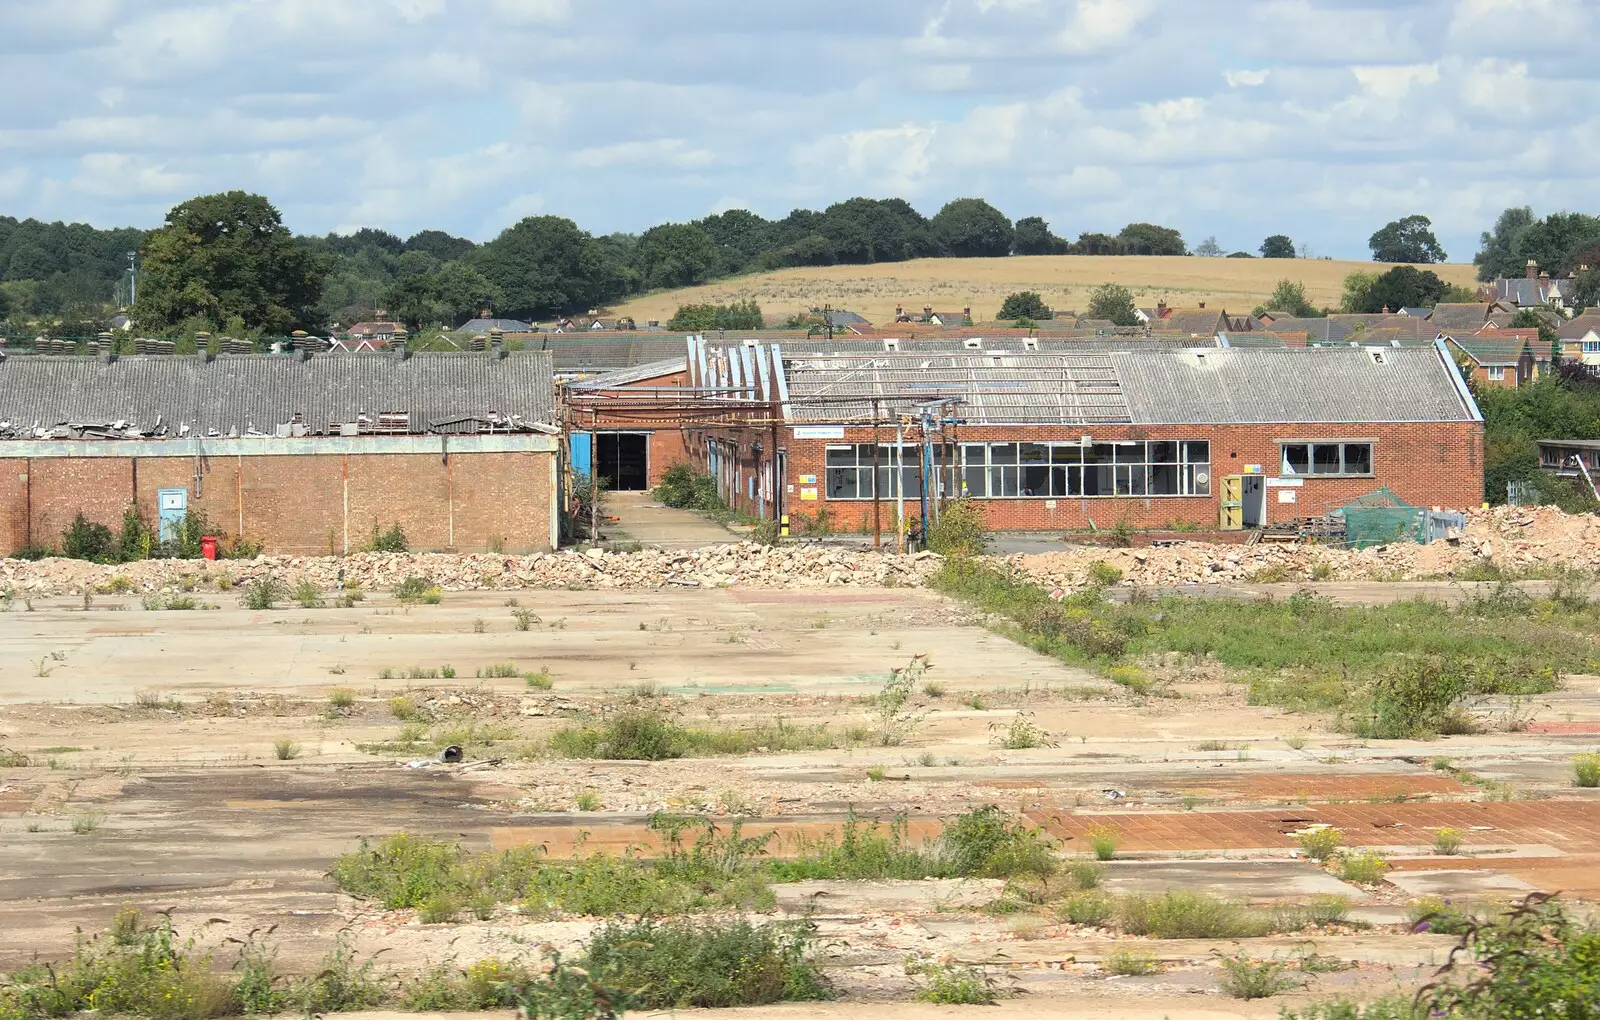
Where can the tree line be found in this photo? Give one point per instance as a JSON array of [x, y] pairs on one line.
[[226, 262]]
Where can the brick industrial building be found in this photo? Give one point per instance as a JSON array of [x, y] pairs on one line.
[[1153, 437], [303, 454]]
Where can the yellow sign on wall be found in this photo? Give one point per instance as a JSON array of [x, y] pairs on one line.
[[808, 495]]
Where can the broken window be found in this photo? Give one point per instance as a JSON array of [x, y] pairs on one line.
[[1327, 459], [1041, 470]]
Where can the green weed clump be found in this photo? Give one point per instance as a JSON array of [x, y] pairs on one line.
[[1131, 963], [683, 488], [264, 592], [1245, 978], [1362, 868], [417, 590], [1184, 914], [953, 984], [960, 530], [1320, 843], [1586, 770], [650, 736], [1087, 907], [682, 963]]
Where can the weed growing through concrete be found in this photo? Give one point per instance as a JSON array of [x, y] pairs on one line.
[[525, 618], [1088, 907], [680, 964], [286, 750], [418, 590], [498, 671], [10, 759], [540, 680], [1321, 843], [1586, 770], [1448, 841], [1245, 978], [402, 707], [588, 800], [1187, 914], [1131, 963], [1020, 734], [87, 823], [479, 626], [637, 735], [1296, 741], [1362, 868], [896, 718], [308, 595], [264, 593], [341, 698], [952, 984], [1104, 840], [875, 774]]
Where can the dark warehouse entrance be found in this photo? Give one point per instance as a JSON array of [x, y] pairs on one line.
[[623, 460]]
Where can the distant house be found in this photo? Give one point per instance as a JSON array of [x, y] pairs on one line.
[[1501, 360], [1416, 313], [1535, 289], [948, 320], [1197, 321], [484, 323], [1459, 317], [1580, 338], [379, 332]]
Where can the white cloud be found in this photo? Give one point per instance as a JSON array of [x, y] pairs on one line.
[[1500, 87], [527, 12], [662, 152], [1245, 79], [113, 173], [1102, 24], [1394, 81]]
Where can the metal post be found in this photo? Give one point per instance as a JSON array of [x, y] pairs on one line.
[[594, 478], [899, 487], [877, 496]]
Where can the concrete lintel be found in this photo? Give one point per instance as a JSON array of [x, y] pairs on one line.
[[269, 446]]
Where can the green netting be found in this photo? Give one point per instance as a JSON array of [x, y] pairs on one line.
[[1381, 517]]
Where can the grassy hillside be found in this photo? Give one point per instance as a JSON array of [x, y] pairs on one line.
[[1237, 285]]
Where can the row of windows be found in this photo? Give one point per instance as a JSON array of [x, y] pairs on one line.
[[1327, 459], [1044, 470], [1025, 470]]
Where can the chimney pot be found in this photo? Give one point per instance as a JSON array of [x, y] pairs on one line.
[[1533, 269], [1202, 304]]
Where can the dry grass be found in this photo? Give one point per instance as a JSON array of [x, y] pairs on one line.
[[1064, 281]]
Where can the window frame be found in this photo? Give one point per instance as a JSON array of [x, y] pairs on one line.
[[1314, 447], [1068, 470]]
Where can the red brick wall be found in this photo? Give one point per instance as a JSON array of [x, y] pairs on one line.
[[1424, 464], [295, 503]]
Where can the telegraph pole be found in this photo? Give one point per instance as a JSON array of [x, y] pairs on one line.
[[133, 277]]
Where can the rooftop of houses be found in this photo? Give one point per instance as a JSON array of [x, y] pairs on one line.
[[160, 396], [1579, 326], [484, 324], [1459, 316]]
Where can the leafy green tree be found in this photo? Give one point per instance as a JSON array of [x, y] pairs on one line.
[[741, 315], [1586, 288], [1496, 257], [1025, 304], [446, 295], [545, 265], [1209, 249], [226, 255], [676, 255], [1278, 246], [1112, 301], [1150, 239], [5, 304], [741, 238], [1098, 244], [1289, 296], [872, 230], [972, 228], [1240, 255], [1556, 242], [1408, 239], [439, 244], [1527, 318], [1357, 290], [1032, 236], [1400, 287], [811, 250]]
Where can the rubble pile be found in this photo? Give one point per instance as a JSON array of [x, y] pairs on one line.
[[1513, 539], [743, 564]]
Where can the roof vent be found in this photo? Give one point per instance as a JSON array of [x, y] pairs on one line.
[[1377, 356], [751, 341], [891, 345], [973, 344]]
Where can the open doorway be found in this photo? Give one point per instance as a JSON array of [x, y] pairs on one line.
[[622, 459], [1254, 494]]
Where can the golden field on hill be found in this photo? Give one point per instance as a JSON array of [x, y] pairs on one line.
[[1237, 285]]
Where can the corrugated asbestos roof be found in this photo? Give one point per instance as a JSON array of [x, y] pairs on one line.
[[1259, 386], [440, 392], [1206, 386], [1031, 388], [583, 351], [629, 376]]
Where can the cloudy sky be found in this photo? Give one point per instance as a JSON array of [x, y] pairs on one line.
[[1235, 118]]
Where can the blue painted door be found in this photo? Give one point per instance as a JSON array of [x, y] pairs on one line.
[[171, 505], [582, 444]]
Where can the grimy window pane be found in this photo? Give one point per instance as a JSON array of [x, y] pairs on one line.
[[1296, 459], [1130, 453], [1035, 481], [1325, 459], [1066, 455], [842, 483], [1003, 453], [1099, 453], [1358, 458], [1035, 453], [841, 456], [1164, 453], [1164, 480], [1197, 452]]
